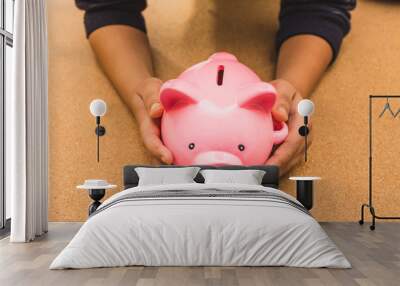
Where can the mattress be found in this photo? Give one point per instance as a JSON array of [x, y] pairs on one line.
[[201, 225]]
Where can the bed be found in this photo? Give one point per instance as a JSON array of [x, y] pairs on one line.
[[201, 224]]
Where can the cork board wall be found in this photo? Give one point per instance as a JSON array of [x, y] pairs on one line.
[[185, 32]]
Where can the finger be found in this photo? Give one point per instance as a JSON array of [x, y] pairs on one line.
[[286, 94], [156, 110], [281, 108], [154, 144], [291, 152], [156, 161], [283, 154], [286, 155], [285, 166], [157, 149], [149, 91]]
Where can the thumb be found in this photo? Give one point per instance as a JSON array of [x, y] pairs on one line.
[[280, 113], [285, 95], [280, 110], [149, 91]]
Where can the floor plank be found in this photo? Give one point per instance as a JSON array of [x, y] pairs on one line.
[[375, 257]]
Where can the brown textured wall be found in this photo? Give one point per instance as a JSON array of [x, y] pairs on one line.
[[185, 32]]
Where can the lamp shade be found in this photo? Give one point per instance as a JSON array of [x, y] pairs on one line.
[[98, 107], [305, 107]]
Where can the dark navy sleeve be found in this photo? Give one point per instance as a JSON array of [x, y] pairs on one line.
[[100, 13], [328, 19]]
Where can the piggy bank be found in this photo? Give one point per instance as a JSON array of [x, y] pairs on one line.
[[218, 112]]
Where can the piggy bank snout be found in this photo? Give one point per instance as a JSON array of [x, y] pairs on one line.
[[216, 158]]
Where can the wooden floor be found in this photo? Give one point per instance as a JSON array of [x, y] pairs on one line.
[[375, 257]]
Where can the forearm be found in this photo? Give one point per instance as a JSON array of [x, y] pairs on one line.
[[309, 38], [302, 61], [124, 55]]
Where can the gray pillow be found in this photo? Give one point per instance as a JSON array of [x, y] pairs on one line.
[[162, 176], [248, 177]]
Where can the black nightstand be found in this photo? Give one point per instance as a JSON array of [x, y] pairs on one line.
[[304, 190], [96, 190]]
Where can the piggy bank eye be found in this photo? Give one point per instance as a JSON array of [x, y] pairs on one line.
[[241, 147], [191, 146]]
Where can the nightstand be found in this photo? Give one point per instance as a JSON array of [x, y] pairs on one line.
[[304, 190], [97, 190]]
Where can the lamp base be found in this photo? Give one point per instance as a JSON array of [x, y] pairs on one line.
[[304, 130], [96, 195], [100, 130], [304, 193]]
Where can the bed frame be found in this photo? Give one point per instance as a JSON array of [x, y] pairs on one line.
[[270, 179]]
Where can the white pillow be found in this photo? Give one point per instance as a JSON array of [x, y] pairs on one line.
[[248, 177], [162, 176]]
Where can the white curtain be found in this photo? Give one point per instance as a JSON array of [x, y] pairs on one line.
[[26, 123]]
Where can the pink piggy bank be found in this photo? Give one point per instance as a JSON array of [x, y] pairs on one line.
[[218, 112]]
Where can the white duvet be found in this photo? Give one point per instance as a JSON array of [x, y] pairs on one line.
[[192, 231]]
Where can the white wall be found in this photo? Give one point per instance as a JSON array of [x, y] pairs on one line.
[[9, 26], [8, 85]]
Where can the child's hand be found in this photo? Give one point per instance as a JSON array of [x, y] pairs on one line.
[[291, 151]]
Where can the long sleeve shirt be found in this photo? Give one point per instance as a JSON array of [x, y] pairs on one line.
[[328, 19]]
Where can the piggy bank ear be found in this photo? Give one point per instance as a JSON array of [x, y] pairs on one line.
[[176, 94], [260, 95]]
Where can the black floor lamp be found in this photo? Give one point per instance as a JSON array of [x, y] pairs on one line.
[[369, 205]]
